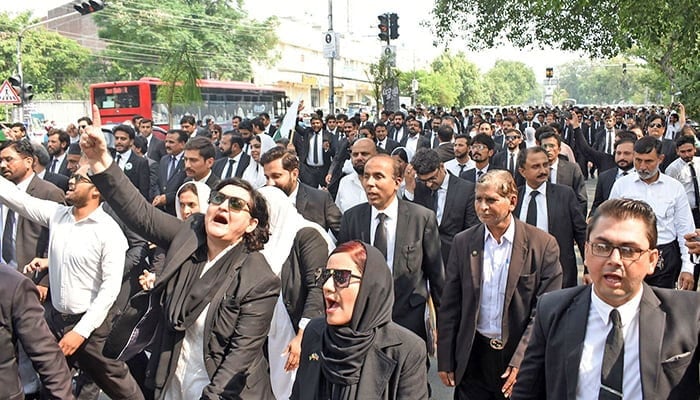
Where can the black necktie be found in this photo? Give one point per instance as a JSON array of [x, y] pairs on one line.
[[610, 144], [511, 167], [119, 158], [171, 167], [434, 196], [229, 173], [613, 361], [53, 165], [478, 174], [315, 138], [380, 234], [8, 245], [696, 190], [461, 168], [531, 217]]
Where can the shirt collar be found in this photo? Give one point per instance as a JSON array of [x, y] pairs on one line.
[[25, 183], [542, 189], [509, 234], [204, 180], [293, 195], [392, 211], [125, 155], [627, 311], [237, 158]]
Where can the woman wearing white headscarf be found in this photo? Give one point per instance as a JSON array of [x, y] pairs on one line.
[[297, 249], [191, 198], [255, 173]]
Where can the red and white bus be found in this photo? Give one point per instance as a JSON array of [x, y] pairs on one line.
[[221, 100]]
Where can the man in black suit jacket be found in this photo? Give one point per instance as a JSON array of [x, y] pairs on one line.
[[234, 161], [199, 158], [445, 148], [398, 130], [282, 170], [41, 161], [22, 321], [563, 218], [568, 348], [657, 128], [156, 147], [563, 172], [495, 274], [624, 159], [134, 166], [451, 198], [414, 258], [413, 140], [315, 149], [508, 158], [529, 121], [57, 145], [172, 170], [384, 144], [481, 151], [605, 136]]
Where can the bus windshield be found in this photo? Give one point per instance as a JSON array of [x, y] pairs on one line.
[[117, 97]]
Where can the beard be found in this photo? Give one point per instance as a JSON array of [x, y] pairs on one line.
[[644, 175]]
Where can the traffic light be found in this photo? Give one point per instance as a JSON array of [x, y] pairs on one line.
[[383, 27], [393, 26], [88, 7], [27, 92], [16, 82], [549, 73]]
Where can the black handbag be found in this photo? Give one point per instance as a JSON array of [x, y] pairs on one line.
[[134, 329]]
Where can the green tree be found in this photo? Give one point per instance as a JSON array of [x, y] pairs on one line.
[[510, 82], [50, 62], [379, 74], [461, 79], [144, 36]]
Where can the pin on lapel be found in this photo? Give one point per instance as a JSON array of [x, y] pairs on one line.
[[313, 357], [475, 253]]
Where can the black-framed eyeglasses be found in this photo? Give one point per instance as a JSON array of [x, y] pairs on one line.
[[656, 125], [82, 126], [430, 179], [234, 203], [79, 178], [627, 253], [509, 138], [341, 277]]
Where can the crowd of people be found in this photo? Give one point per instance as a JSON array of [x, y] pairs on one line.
[[330, 261]]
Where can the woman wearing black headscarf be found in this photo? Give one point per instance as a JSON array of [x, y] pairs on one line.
[[356, 351]]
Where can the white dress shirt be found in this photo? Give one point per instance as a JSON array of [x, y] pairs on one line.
[[553, 171], [123, 159], [541, 201], [237, 161], [412, 143], [86, 257], [23, 187], [680, 171], [316, 137], [597, 330], [494, 276], [392, 213], [667, 198], [59, 161], [453, 166], [350, 192]]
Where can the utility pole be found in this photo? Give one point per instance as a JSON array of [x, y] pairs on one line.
[[331, 61]]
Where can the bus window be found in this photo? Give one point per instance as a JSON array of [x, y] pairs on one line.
[[117, 97]]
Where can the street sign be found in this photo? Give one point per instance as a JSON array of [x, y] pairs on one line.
[[330, 45], [8, 95], [390, 53]]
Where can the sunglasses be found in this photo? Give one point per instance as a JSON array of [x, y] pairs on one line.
[[656, 126], [82, 126], [341, 277], [79, 178], [234, 203], [509, 138]]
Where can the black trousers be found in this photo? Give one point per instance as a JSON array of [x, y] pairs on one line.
[[110, 375], [313, 176], [482, 379], [669, 268]]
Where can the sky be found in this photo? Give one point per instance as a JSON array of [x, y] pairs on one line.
[[414, 43]]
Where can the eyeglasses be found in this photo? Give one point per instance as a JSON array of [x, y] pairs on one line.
[[656, 125], [626, 253], [82, 126], [479, 147], [341, 277], [432, 179], [234, 203], [510, 138], [79, 178]]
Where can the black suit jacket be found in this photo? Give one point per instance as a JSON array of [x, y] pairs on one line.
[[139, 174], [63, 168], [423, 142], [669, 327], [237, 322], [566, 223], [393, 131], [606, 180], [394, 369], [569, 174], [169, 187], [211, 181], [668, 149], [317, 206], [417, 259], [156, 149], [470, 174], [500, 161], [600, 158], [220, 164], [523, 125], [61, 181], [22, 322], [446, 152], [302, 144], [601, 139], [389, 146], [534, 269], [458, 213]]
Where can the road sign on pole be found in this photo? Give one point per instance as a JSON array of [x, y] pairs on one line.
[[8, 95]]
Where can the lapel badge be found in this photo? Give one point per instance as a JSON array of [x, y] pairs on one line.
[[475, 253], [313, 357]]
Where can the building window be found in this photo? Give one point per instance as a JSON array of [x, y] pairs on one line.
[[315, 97]]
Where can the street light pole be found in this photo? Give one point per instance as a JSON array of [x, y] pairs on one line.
[[331, 61]]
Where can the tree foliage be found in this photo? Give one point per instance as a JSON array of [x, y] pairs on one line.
[[144, 36], [661, 33], [380, 74], [510, 82], [50, 62]]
